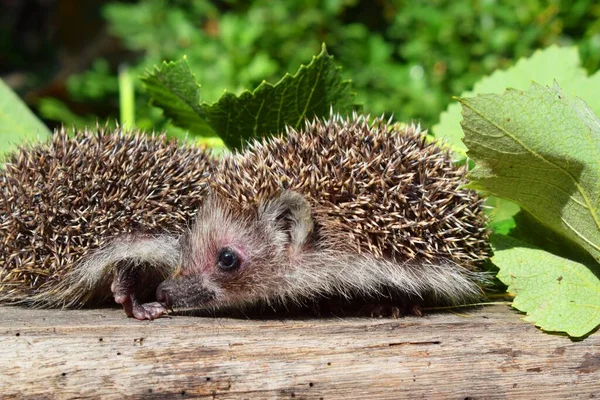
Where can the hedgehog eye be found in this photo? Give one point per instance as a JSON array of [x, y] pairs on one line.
[[227, 259]]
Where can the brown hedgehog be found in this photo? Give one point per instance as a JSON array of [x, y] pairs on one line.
[[343, 207], [110, 198]]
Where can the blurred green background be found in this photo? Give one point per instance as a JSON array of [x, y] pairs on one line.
[[405, 57]]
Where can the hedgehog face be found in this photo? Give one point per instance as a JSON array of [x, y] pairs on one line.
[[233, 255]]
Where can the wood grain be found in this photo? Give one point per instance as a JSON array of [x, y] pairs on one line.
[[486, 353]]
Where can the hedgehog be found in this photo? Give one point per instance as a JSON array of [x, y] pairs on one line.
[[345, 207], [68, 200]]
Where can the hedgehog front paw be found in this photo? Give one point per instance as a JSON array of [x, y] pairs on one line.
[[140, 311], [123, 289], [148, 310]]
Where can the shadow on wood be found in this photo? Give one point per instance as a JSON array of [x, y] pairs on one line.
[[487, 353]]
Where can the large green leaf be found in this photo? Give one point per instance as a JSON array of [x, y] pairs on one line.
[[540, 150], [557, 294], [312, 91], [554, 63], [17, 122]]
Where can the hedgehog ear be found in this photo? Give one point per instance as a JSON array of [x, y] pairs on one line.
[[290, 212]]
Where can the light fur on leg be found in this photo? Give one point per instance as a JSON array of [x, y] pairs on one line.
[[154, 256]]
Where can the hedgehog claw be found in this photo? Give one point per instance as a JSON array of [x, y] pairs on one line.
[[392, 311], [123, 292], [139, 311], [148, 310]]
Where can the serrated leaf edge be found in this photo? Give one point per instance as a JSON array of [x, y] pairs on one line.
[[287, 76], [166, 64], [529, 313]]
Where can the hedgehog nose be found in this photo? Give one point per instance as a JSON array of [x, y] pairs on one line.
[[163, 296]]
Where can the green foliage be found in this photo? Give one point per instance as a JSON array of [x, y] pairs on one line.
[[501, 214], [173, 88], [532, 231], [556, 293], [312, 91], [544, 66], [540, 149], [17, 122], [407, 58], [559, 64], [54, 109]]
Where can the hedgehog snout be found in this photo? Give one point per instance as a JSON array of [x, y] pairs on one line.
[[184, 292]]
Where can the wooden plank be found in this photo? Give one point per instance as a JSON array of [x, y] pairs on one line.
[[487, 353]]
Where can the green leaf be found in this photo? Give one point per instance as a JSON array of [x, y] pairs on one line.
[[554, 63], [558, 294], [312, 91], [531, 231], [17, 122], [173, 88], [541, 151]]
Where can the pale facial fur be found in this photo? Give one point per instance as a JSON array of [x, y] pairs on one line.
[[262, 241]]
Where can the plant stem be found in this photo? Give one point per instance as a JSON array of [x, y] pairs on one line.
[[126, 98]]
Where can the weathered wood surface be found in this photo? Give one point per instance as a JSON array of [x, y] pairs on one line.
[[487, 353]]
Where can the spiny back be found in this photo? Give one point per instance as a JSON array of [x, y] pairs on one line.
[[63, 198], [383, 188]]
